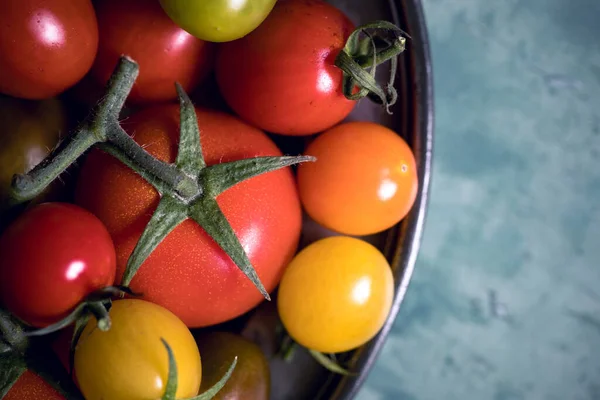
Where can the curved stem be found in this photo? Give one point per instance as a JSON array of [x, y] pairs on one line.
[[385, 43]]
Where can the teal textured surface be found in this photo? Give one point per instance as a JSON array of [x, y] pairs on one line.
[[505, 299]]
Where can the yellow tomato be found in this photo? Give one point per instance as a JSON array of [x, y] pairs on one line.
[[336, 294], [129, 361]]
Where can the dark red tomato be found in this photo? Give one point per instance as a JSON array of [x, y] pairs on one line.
[[165, 52], [46, 46], [288, 82], [188, 273], [31, 386], [53, 255]]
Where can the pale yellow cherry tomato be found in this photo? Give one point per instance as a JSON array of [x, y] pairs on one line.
[[129, 361], [218, 20], [336, 294]]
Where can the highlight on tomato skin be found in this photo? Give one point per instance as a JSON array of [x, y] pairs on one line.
[[336, 294], [45, 46], [53, 256], [218, 20], [129, 361], [333, 296], [165, 52], [188, 273], [364, 182], [289, 83]]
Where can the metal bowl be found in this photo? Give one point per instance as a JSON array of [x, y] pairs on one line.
[[303, 378]]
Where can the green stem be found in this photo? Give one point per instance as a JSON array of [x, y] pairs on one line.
[[145, 162], [358, 56], [28, 186], [103, 126], [101, 314], [117, 90], [383, 55], [11, 332]]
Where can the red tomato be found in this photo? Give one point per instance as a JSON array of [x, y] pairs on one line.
[[165, 52], [31, 386], [288, 83], [53, 255], [46, 46], [364, 181], [188, 273]]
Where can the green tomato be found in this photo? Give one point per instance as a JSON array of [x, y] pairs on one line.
[[218, 20]]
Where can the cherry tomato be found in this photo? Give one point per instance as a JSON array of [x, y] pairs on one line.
[[46, 46], [53, 256], [336, 294], [288, 82], [165, 53], [251, 376], [32, 386], [364, 180], [30, 129], [218, 20], [129, 361], [188, 273]]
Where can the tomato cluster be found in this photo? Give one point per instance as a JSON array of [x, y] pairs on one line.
[[257, 66]]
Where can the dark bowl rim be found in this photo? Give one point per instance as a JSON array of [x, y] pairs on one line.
[[412, 19]]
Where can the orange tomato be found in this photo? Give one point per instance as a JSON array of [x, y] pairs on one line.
[[363, 182]]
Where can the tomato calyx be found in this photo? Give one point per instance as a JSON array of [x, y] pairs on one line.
[[19, 353], [13, 346], [12, 335], [359, 59], [171, 386], [202, 207], [188, 188]]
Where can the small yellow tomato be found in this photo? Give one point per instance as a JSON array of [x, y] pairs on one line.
[[336, 294], [129, 361]]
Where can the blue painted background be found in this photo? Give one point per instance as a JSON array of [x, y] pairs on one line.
[[505, 300]]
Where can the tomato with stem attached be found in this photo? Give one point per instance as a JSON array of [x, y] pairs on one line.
[[288, 82], [336, 294], [53, 256], [165, 52], [129, 361], [45, 46], [218, 20], [365, 179], [188, 273]]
